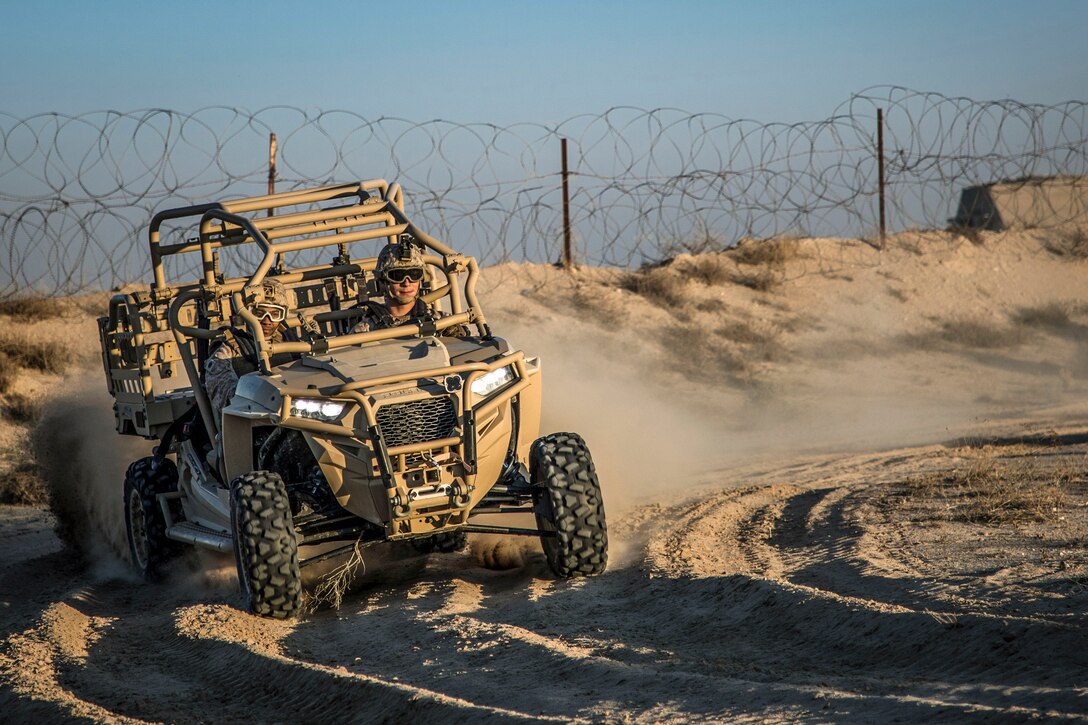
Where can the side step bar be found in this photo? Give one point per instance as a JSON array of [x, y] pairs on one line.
[[191, 533], [188, 532]]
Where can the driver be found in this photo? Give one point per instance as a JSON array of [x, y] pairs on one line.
[[236, 354], [400, 271]]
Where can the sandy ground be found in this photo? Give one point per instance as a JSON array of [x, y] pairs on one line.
[[842, 484]]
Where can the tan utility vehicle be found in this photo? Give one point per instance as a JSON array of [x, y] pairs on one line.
[[358, 438]]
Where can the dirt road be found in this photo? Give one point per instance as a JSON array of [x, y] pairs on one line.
[[816, 588], [858, 495]]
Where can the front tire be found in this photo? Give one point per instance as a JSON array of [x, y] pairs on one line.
[[144, 521], [265, 546], [568, 506]]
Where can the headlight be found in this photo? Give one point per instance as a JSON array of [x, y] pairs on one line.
[[485, 385], [324, 410]]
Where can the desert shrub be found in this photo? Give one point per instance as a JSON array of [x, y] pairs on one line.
[[743, 332], [45, 355], [1070, 243], [975, 333], [9, 370], [31, 309], [761, 280], [971, 234], [659, 285], [23, 486], [712, 304], [711, 269], [767, 252], [21, 408], [758, 345], [1053, 315], [970, 333]]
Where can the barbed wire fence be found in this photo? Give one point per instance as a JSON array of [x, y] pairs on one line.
[[77, 191]]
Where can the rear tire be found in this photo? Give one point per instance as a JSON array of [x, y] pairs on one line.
[[265, 546], [144, 521], [567, 501]]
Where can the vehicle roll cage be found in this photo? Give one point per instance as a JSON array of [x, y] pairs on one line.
[[375, 213]]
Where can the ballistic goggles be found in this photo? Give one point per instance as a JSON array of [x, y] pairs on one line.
[[274, 313], [398, 275]]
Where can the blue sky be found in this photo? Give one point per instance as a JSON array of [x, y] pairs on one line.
[[502, 62]]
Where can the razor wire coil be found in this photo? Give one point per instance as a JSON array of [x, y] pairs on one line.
[[77, 191]]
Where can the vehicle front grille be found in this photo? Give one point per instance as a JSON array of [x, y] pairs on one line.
[[418, 421]]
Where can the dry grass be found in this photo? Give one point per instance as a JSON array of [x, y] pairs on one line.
[[23, 486], [761, 280], [31, 309], [970, 333], [711, 269], [991, 490], [1069, 243], [765, 252], [26, 352], [664, 284], [22, 409], [9, 370], [1053, 315], [337, 583], [971, 234], [712, 304], [660, 285]]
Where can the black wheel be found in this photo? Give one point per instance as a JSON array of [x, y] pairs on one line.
[[265, 547], [445, 542], [568, 505], [144, 521]]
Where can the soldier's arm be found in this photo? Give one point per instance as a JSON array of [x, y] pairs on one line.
[[220, 379]]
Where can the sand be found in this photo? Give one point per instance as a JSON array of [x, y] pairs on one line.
[[843, 484]]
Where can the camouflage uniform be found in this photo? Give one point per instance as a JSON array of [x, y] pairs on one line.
[[376, 316], [236, 355]]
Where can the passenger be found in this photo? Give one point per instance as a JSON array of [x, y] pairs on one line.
[[236, 355], [400, 272]]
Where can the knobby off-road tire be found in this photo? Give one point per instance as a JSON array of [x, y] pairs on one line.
[[144, 522], [265, 546], [567, 500]]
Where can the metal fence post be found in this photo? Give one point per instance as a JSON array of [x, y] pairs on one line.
[[568, 259], [271, 167], [880, 169]]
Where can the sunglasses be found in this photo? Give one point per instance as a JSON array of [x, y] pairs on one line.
[[396, 276], [274, 313]]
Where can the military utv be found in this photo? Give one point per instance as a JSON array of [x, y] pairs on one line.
[[339, 439]]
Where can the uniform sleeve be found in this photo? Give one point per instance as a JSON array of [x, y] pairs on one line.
[[220, 379]]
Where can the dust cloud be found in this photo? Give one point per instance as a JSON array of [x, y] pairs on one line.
[[83, 462], [649, 439]]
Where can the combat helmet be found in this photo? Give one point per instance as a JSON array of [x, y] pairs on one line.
[[274, 304], [403, 254]]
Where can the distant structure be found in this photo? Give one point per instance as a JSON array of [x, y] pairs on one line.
[[1027, 203]]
